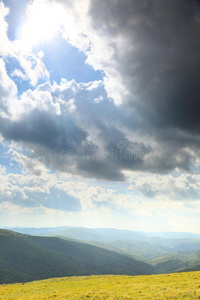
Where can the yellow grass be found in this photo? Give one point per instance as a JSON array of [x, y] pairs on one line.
[[157, 287]]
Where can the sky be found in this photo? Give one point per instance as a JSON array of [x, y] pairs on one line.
[[100, 114]]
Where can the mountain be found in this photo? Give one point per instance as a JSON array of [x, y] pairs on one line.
[[177, 261], [95, 234], [144, 250], [37, 231], [105, 233], [143, 245], [189, 246], [167, 247], [26, 258]]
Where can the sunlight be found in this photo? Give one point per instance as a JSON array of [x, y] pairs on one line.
[[44, 21]]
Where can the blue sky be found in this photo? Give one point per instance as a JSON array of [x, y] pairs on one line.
[[99, 114]]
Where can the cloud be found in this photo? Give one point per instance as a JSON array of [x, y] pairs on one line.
[[8, 89], [31, 65], [5, 43], [184, 187], [29, 164], [64, 127], [151, 61], [35, 188], [156, 51], [145, 102], [140, 124]]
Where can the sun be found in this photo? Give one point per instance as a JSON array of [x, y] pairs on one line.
[[43, 22]]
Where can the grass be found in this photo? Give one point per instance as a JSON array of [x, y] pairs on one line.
[[171, 286]]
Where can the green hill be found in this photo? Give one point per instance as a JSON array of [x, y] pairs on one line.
[[25, 258], [183, 286], [177, 261]]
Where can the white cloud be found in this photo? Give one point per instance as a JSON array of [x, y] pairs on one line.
[[70, 105], [18, 73], [30, 164], [8, 90], [32, 65], [38, 99], [26, 193], [2, 169], [179, 187]]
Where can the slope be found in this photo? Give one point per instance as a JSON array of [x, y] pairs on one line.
[[173, 286], [24, 258]]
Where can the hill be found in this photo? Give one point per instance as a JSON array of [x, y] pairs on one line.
[[167, 252], [108, 233], [25, 258], [146, 245], [177, 261], [171, 286]]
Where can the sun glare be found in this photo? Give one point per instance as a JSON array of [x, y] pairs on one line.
[[43, 22]]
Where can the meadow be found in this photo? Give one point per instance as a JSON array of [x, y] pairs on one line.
[[169, 286]]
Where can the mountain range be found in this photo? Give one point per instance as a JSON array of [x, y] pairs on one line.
[[37, 253], [27, 258]]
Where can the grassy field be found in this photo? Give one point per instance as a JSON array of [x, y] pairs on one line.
[[172, 286]]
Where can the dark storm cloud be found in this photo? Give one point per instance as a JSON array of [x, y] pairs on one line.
[[43, 129], [158, 58], [162, 67], [64, 143]]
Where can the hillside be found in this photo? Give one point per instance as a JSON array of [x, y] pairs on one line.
[[171, 286], [25, 258], [177, 261], [167, 252]]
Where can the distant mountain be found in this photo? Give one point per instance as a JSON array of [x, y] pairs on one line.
[[95, 234], [172, 235], [36, 231], [144, 250], [177, 261], [106, 234], [26, 258], [189, 246], [134, 243]]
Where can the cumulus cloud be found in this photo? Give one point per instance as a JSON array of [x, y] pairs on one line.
[[29, 164], [184, 187], [8, 89], [35, 188], [151, 61], [139, 124], [156, 51], [143, 116], [64, 127]]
